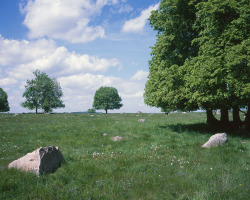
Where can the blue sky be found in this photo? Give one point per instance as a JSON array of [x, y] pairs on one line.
[[85, 44]]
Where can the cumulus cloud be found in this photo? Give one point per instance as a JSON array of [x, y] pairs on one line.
[[20, 58], [64, 19], [7, 81], [137, 24], [139, 76]]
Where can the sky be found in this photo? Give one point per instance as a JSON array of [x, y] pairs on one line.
[[84, 44]]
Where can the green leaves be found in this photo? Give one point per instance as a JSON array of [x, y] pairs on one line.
[[166, 84], [107, 98], [4, 104], [201, 56], [42, 92]]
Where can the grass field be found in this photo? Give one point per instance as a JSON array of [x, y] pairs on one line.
[[159, 159]]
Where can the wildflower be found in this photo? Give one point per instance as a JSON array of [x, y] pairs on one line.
[[211, 168]]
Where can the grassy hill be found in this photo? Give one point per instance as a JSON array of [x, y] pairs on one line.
[[161, 158]]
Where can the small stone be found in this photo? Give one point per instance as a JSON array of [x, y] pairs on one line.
[[141, 120], [117, 138], [105, 134]]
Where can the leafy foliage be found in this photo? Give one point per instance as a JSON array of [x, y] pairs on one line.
[[219, 75], [107, 98], [91, 110], [4, 104], [174, 22], [201, 57], [42, 92]]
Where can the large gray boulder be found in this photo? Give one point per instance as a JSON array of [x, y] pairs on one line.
[[43, 160], [216, 140]]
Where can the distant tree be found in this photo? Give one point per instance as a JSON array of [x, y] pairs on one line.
[[107, 98], [42, 92], [91, 110], [4, 104]]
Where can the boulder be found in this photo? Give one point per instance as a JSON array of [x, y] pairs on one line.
[[42, 160], [216, 140]]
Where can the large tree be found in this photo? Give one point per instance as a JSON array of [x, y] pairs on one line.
[[219, 75], [107, 98], [4, 104], [42, 92], [200, 58], [174, 23]]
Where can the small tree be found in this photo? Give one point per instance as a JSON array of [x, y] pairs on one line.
[[4, 104], [42, 92], [107, 98], [91, 110]]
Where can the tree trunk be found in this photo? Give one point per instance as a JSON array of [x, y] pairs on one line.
[[211, 120], [247, 120], [36, 110], [224, 117], [236, 116], [106, 110]]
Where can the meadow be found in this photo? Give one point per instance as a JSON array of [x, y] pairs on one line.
[[161, 158]]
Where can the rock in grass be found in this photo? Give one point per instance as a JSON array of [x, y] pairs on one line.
[[216, 140], [117, 138], [141, 120], [43, 160]]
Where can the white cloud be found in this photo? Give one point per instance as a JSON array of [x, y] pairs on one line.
[[64, 19], [139, 76], [21, 58], [137, 24], [125, 8], [122, 8], [7, 81], [13, 52]]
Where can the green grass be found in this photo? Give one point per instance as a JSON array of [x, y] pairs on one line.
[[160, 159]]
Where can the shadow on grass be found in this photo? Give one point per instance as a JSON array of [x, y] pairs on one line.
[[204, 128]]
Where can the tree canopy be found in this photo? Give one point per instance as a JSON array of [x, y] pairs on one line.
[[107, 98], [4, 104], [201, 57], [42, 93]]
